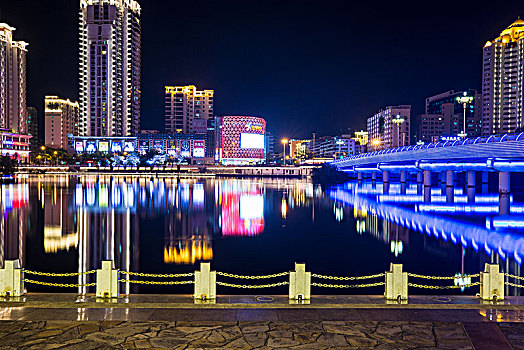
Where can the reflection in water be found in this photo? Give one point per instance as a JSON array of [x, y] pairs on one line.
[[71, 223]]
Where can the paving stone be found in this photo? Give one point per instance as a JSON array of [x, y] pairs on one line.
[[360, 342], [142, 344], [342, 329], [281, 342], [306, 337], [105, 338], [332, 340], [239, 344], [256, 340], [88, 328], [254, 327], [167, 342], [196, 329]]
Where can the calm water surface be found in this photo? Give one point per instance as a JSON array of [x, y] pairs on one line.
[[255, 226]]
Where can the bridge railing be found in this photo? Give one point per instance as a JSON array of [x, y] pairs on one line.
[[467, 141], [491, 281]]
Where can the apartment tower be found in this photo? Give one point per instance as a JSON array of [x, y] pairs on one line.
[[61, 119], [110, 91], [13, 114], [503, 81], [187, 110]]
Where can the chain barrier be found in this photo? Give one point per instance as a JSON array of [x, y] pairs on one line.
[[347, 278], [231, 275], [63, 285], [514, 277], [366, 285], [414, 275], [50, 274], [425, 286], [156, 282], [158, 275], [252, 286], [514, 285]]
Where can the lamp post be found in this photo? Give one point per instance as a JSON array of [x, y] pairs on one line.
[[464, 100], [284, 142], [399, 120]]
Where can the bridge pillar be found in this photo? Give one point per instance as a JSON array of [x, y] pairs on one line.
[[420, 176], [385, 182], [485, 181], [359, 178], [450, 186], [504, 192], [403, 182], [427, 186], [373, 179]]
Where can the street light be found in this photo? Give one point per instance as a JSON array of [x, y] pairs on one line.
[[464, 100], [399, 120], [284, 142]]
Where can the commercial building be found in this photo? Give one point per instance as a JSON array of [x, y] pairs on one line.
[[298, 149], [61, 119], [362, 137], [93, 144], [333, 147], [502, 81], [13, 114], [187, 109], [389, 128], [32, 129], [240, 140], [14, 145], [110, 92], [269, 146]]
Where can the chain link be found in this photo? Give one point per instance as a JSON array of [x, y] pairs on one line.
[[513, 276], [50, 274], [414, 275], [365, 285], [159, 275], [231, 275], [252, 286], [425, 286], [156, 282], [347, 278], [514, 285], [64, 285]]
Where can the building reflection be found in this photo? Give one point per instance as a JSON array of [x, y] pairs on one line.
[[14, 222]]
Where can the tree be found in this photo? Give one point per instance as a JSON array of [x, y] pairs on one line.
[[8, 165]]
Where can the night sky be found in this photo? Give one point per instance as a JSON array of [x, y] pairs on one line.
[[305, 66]]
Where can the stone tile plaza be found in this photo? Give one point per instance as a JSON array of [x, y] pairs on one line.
[[261, 175]]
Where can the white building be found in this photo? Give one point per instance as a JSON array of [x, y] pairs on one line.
[[13, 114], [110, 91], [503, 81], [389, 128], [61, 118], [187, 109]]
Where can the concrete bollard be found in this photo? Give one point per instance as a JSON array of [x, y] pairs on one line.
[[396, 283], [491, 283], [11, 282], [107, 281], [299, 283], [205, 283]]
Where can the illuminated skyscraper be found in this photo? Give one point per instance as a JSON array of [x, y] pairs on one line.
[[109, 68], [187, 110], [502, 81], [61, 119], [13, 114], [389, 128]]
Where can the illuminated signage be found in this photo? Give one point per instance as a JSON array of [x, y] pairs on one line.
[[90, 146], [103, 146], [129, 146], [116, 146], [199, 148], [185, 148], [79, 146], [255, 141], [254, 127], [158, 145], [450, 138], [143, 145]]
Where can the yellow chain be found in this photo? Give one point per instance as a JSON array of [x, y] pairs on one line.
[[514, 285], [513, 276], [414, 275], [58, 284], [424, 286], [159, 275], [50, 274], [252, 286], [157, 282], [225, 274], [348, 278], [326, 285]]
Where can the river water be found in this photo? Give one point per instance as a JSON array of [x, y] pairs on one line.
[[253, 226]]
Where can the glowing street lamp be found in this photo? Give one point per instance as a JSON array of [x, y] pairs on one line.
[[464, 100], [376, 143], [284, 142], [399, 120]]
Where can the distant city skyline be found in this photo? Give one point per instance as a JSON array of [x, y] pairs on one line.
[[303, 67]]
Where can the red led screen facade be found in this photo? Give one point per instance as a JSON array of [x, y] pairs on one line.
[[242, 139]]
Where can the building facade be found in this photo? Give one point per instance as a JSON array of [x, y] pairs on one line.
[[32, 129], [333, 147], [61, 119], [389, 128], [110, 92], [13, 114], [241, 140], [14, 145], [187, 109], [502, 81]]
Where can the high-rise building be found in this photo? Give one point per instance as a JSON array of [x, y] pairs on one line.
[[187, 110], [109, 68], [361, 137], [13, 112], [502, 81], [389, 128], [32, 129], [61, 118]]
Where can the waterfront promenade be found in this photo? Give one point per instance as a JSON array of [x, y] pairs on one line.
[[69, 321]]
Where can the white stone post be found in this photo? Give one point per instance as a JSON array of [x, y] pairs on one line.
[[299, 283], [205, 283], [396, 283], [491, 283], [107, 281], [11, 283]]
